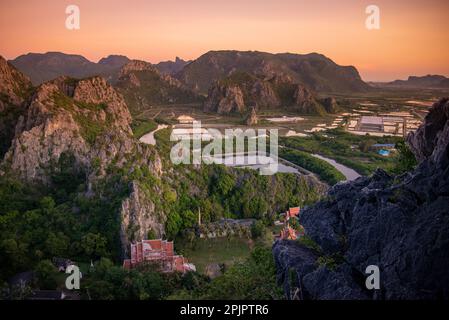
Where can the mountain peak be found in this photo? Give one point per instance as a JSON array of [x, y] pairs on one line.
[[314, 70], [42, 67], [114, 60], [171, 67]]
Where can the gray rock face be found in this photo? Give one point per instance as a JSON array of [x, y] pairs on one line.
[[424, 141], [138, 216], [330, 105], [13, 84], [14, 91], [305, 101], [225, 99], [400, 224], [55, 123]]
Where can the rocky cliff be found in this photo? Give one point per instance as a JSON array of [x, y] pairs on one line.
[[400, 224], [225, 99], [15, 89], [72, 116], [242, 91], [305, 102], [89, 120]]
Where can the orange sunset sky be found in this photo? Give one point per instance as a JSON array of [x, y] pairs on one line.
[[413, 39]]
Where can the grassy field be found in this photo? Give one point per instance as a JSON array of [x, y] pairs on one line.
[[222, 250], [350, 150]]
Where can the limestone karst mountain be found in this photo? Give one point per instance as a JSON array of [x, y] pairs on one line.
[[88, 122], [241, 91], [314, 71], [73, 142]]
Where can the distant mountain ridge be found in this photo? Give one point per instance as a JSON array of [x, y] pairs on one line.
[[42, 67], [171, 67], [428, 81], [313, 70]]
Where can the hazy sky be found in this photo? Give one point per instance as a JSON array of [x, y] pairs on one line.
[[413, 38]]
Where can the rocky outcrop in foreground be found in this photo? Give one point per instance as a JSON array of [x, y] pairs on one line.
[[400, 224]]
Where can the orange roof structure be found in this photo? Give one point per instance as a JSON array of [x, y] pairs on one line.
[[293, 212], [288, 232], [157, 251]]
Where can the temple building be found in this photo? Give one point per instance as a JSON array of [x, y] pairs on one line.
[[287, 232], [160, 252], [291, 213]]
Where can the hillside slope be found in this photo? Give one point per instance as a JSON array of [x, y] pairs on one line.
[[143, 86], [15, 88], [242, 91], [87, 122], [48, 66], [314, 71]]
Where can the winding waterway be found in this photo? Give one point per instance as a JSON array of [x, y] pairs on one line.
[[349, 173]]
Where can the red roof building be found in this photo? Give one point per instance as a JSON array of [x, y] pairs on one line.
[[288, 232], [293, 212], [160, 252]]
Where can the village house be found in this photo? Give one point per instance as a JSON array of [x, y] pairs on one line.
[[160, 252]]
